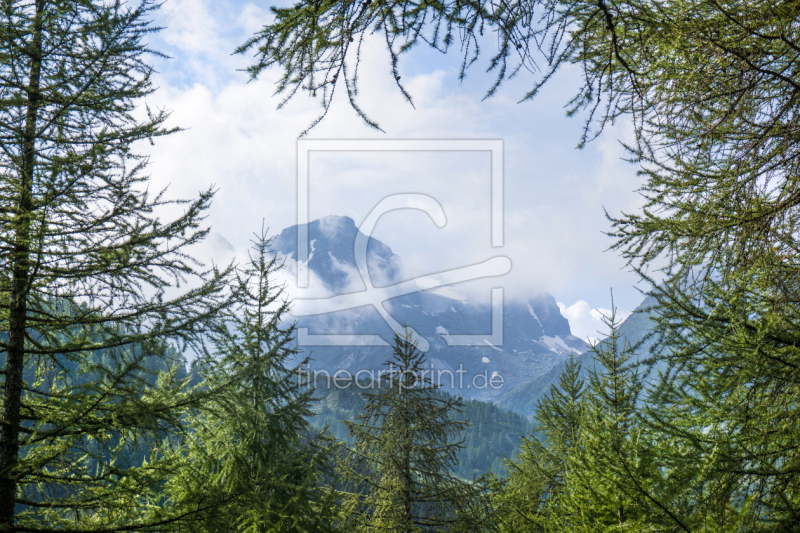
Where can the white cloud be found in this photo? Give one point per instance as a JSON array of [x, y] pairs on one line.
[[237, 141], [587, 322], [191, 26], [330, 226], [253, 18]]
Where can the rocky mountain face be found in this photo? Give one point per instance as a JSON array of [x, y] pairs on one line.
[[536, 337], [523, 397]]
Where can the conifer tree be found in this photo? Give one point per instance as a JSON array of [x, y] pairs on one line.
[[597, 465], [96, 291], [614, 489], [726, 404], [535, 497], [252, 447], [400, 469]]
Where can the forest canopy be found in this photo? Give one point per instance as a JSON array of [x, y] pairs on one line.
[[106, 426]]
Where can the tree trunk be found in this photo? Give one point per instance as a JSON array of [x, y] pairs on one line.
[[406, 467], [20, 286]]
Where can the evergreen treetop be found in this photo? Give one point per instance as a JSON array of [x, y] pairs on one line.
[[399, 472], [251, 450]]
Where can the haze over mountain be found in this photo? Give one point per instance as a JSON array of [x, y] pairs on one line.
[[536, 337]]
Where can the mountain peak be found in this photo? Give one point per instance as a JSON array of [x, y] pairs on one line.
[[333, 225], [331, 254]]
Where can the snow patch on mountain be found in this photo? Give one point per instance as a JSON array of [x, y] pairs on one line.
[[530, 310], [556, 344], [492, 345]]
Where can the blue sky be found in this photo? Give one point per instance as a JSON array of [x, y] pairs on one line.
[[236, 140]]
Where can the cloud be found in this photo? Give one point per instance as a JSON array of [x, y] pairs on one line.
[[238, 142], [191, 26], [330, 226], [253, 18], [588, 323]]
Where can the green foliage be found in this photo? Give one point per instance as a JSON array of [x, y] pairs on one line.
[[728, 403], [493, 433], [594, 466], [398, 474], [638, 463], [536, 492], [252, 447], [722, 210], [96, 291], [616, 449]]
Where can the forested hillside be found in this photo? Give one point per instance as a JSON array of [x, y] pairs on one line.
[[492, 435]]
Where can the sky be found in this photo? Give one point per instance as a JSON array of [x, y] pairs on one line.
[[555, 195]]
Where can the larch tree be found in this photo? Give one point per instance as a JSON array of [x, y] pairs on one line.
[[536, 494], [97, 293], [615, 487], [252, 448], [591, 464], [398, 476]]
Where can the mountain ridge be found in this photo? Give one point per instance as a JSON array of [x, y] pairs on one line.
[[535, 334]]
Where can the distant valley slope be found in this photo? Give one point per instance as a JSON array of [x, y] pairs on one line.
[[638, 326], [493, 433]]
